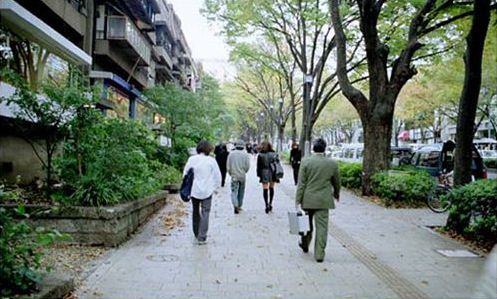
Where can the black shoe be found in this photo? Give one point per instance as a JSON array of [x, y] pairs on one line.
[[236, 210], [267, 209], [305, 249], [270, 208], [320, 260]]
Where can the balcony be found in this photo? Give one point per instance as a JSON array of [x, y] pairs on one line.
[[123, 32], [143, 11], [165, 59]]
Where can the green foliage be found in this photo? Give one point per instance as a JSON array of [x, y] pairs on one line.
[[403, 186], [285, 156], [190, 117], [350, 174], [195, 116], [474, 210], [171, 175], [45, 114], [112, 160], [19, 252]]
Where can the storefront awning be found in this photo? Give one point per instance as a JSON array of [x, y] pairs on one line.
[[116, 81]]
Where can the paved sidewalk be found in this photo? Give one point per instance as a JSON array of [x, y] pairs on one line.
[[372, 252]]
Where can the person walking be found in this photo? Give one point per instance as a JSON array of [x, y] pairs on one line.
[[318, 184], [238, 165], [221, 153], [266, 175], [295, 157], [206, 179]]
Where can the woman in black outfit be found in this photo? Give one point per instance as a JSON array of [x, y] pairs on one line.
[[295, 157], [221, 153], [265, 174]]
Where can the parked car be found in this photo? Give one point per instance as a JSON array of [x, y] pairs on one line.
[[399, 154], [488, 154], [439, 157]]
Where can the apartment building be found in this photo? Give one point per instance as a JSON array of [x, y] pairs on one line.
[[123, 45], [138, 43], [176, 62], [58, 27]]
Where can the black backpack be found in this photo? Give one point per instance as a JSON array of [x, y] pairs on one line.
[[186, 186]]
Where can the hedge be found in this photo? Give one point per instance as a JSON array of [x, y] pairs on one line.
[[403, 186], [474, 210], [350, 174]]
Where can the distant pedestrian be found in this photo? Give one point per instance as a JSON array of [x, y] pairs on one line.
[[319, 183], [248, 147], [255, 149], [266, 175], [206, 178], [238, 165], [295, 157], [221, 153]]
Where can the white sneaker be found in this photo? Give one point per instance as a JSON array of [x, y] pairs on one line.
[[201, 242]]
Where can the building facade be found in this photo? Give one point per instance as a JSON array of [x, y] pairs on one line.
[[124, 46]]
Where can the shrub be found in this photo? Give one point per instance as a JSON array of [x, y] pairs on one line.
[[403, 186], [177, 155], [285, 156], [171, 175], [490, 162], [19, 253], [110, 161], [474, 210], [350, 174]]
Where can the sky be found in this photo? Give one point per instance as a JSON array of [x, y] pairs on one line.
[[205, 45]]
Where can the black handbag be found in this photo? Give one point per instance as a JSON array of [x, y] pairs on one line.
[[276, 167], [185, 190]]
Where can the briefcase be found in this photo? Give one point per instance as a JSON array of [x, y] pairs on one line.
[[299, 222]]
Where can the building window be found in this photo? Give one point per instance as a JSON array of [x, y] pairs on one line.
[[120, 101], [144, 114]]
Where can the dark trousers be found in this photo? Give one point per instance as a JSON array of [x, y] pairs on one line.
[[201, 210], [223, 177], [320, 217], [296, 168]]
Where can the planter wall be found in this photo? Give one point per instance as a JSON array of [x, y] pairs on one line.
[[108, 226]]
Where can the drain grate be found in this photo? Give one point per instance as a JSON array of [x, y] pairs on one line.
[[457, 253]]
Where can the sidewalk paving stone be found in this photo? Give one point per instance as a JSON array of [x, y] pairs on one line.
[[372, 252]]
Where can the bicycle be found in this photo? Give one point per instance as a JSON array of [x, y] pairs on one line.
[[435, 200]]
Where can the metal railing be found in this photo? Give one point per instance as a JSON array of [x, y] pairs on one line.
[[121, 28]]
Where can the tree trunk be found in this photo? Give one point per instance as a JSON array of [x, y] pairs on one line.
[[281, 133], [471, 89], [377, 135], [293, 120], [49, 169]]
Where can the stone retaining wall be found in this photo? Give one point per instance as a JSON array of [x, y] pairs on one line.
[[108, 226]]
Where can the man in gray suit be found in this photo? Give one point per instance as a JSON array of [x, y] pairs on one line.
[[318, 186], [238, 165]]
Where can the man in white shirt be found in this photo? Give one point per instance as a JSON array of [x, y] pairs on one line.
[[238, 165], [206, 179]]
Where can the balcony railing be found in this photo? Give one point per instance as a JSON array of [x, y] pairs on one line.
[[121, 28], [164, 55]]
